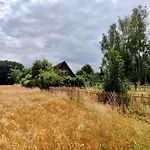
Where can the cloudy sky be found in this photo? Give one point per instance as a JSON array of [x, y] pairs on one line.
[[58, 30]]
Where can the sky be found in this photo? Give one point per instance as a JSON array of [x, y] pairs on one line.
[[59, 30]]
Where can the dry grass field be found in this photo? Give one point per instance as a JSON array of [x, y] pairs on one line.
[[35, 120]]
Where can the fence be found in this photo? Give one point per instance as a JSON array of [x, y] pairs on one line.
[[76, 93], [97, 96]]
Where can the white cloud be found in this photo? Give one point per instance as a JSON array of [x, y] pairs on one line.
[[58, 29], [114, 1]]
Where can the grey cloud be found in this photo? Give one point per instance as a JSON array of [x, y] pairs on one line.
[[63, 30]]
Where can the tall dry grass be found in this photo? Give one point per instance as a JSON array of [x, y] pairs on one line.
[[35, 120]]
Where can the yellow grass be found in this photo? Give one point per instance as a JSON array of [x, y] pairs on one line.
[[35, 120]]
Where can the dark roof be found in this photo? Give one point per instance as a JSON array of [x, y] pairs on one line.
[[58, 66]]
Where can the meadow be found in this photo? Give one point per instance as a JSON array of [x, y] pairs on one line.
[[31, 119]]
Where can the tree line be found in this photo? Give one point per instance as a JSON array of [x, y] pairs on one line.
[[43, 75], [126, 50]]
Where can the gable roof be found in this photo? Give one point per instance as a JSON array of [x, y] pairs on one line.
[[58, 66]]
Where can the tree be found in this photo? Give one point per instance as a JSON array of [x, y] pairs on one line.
[[41, 75], [97, 79], [26, 80], [80, 72], [87, 69], [15, 75], [130, 38], [4, 73], [39, 66], [6, 67], [114, 79], [23, 73], [87, 73], [48, 79], [12, 64], [79, 81], [36, 67]]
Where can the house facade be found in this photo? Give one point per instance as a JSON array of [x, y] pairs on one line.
[[64, 69]]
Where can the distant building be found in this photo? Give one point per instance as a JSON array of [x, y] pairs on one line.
[[64, 69]]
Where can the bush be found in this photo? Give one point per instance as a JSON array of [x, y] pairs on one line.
[[15, 76], [79, 81], [68, 81], [26, 81], [42, 75], [49, 79]]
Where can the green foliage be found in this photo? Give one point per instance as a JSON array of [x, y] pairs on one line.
[[23, 73], [130, 38], [11, 64], [68, 81], [97, 78], [36, 67], [80, 72], [4, 73], [114, 79], [26, 80], [15, 75], [88, 75], [87, 69], [42, 75], [77, 81], [48, 79], [6, 67], [39, 66]]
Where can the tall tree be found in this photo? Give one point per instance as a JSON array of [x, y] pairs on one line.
[[130, 38], [114, 79]]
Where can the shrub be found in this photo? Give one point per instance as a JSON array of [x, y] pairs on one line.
[[114, 79], [26, 81], [49, 79], [15, 75]]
